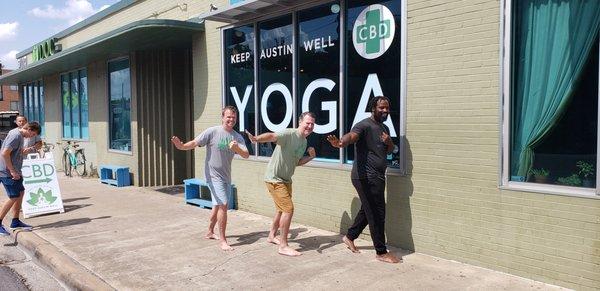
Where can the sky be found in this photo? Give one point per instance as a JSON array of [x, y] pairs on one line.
[[24, 23]]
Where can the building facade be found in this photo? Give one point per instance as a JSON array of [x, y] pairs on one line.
[[494, 115], [9, 95]]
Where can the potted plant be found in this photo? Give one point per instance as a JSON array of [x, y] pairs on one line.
[[539, 175], [572, 180], [586, 172]]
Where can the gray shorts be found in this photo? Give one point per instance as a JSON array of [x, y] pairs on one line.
[[219, 192]]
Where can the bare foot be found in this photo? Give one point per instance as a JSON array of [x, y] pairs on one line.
[[350, 244], [274, 240], [287, 251], [389, 258], [211, 235], [226, 247]]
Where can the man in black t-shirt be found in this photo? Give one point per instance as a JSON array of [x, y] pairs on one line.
[[373, 143]]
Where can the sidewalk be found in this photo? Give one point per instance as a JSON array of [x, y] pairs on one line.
[[137, 238]]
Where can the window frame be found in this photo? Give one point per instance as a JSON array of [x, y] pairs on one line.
[[506, 44], [340, 164], [62, 128], [108, 140], [27, 112]]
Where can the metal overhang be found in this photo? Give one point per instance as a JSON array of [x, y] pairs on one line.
[[138, 35], [248, 10]]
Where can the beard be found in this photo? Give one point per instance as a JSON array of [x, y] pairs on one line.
[[382, 117]]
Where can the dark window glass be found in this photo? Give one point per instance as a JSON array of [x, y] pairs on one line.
[[34, 97], [66, 105], [275, 78], [239, 77], [32, 94], [84, 104], [75, 104], [30, 101], [42, 114], [318, 73], [373, 64], [120, 105]]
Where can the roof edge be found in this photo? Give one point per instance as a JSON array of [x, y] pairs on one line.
[[85, 23], [199, 26]]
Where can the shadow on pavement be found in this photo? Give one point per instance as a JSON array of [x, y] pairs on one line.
[[68, 222], [250, 238], [318, 243], [75, 199], [171, 190]]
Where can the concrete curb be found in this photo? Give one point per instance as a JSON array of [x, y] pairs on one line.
[[73, 274]]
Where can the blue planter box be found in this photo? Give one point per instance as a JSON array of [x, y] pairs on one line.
[[198, 193], [114, 175]]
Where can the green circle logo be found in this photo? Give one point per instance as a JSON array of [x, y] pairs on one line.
[[373, 31]]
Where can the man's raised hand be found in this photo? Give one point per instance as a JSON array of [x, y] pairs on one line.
[[311, 152], [176, 142], [250, 136], [233, 144], [334, 141], [385, 138]]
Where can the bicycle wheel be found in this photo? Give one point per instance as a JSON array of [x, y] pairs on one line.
[[66, 164], [80, 163]]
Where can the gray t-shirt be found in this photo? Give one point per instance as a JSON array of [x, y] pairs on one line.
[[13, 141], [217, 166], [28, 142]]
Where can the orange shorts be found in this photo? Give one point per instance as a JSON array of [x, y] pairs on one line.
[[282, 196]]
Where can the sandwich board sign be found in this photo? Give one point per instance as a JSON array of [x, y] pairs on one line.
[[42, 193]]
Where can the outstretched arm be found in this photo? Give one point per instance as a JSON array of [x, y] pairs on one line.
[[347, 139], [311, 155], [190, 145], [262, 138]]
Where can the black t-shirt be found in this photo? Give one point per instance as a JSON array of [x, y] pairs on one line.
[[370, 152]]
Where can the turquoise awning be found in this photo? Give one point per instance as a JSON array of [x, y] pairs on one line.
[[135, 36]]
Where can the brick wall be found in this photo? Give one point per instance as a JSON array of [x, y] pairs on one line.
[[8, 95]]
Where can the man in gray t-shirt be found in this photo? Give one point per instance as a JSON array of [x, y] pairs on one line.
[[222, 143], [11, 161]]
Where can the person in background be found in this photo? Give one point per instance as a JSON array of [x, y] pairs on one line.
[[30, 145]]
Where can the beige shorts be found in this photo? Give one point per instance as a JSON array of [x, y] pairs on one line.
[[282, 196]]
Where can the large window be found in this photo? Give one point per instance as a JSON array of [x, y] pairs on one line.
[[319, 74], [33, 101], [297, 66], [75, 104], [120, 104], [239, 46], [275, 71], [552, 122]]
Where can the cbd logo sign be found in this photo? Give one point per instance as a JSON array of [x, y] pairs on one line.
[[373, 31]]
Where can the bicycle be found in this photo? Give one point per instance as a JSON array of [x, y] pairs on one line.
[[47, 147], [73, 157]]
